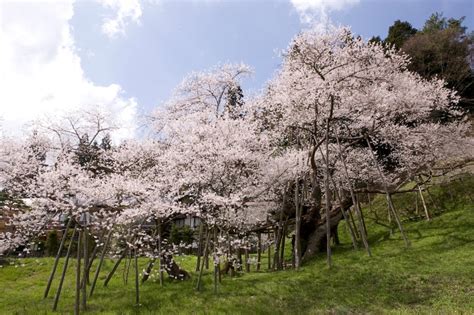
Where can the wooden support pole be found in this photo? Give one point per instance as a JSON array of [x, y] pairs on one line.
[[344, 214], [269, 249], [95, 251], [111, 273], [63, 275], [199, 280], [84, 276], [128, 264], [199, 249], [397, 219], [78, 276], [282, 246], [160, 256], [297, 243], [216, 262], [363, 235], [259, 250], [101, 261], [427, 214], [137, 288], [56, 260]]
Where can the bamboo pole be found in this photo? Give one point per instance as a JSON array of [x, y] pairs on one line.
[[56, 260]]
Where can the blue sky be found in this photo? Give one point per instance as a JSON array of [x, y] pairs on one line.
[[174, 38], [125, 57]]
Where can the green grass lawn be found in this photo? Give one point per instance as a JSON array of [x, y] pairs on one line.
[[434, 275]]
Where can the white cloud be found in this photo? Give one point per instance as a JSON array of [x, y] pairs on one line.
[[41, 73], [125, 11], [311, 10]]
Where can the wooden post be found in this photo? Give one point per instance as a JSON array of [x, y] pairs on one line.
[[353, 197], [246, 255], [339, 199], [93, 256], [216, 262], [427, 214], [111, 273], [328, 206], [201, 270], [63, 275], [282, 246], [137, 289], [84, 276], [78, 275], [56, 260], [269, 250], [160, 260], [417, 210], [388, 196], [356, 232], [259, 250], [199, 249], [102, 256], [206, 252], [397, 219], [128, 264], [297, 244]]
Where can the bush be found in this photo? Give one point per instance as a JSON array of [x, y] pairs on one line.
[[52, 243], [180, 235]]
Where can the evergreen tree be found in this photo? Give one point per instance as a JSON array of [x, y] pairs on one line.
[[399, 33]]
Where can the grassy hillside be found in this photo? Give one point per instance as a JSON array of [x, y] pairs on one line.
[[434, 275]]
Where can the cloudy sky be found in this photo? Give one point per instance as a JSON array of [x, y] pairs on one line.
[[126, 56]]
